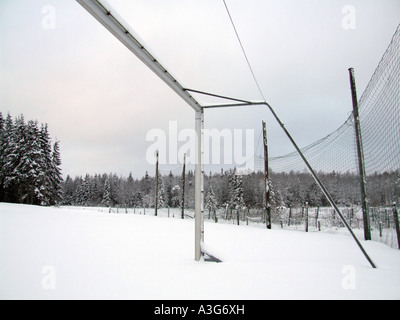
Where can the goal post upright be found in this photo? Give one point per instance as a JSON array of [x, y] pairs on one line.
[[199, 185], [109, 18]]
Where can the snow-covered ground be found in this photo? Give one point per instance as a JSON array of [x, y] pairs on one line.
[[71, 253]]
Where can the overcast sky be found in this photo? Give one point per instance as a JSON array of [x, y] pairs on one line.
[[60, 66]]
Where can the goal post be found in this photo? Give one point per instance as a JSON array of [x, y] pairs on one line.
[[109, 18]]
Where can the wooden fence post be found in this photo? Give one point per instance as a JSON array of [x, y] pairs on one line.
[[316, 216], [396, 223], [306, 217], [333, 217], [183, 186]]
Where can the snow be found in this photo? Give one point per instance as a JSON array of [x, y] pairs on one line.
[[71, 253]]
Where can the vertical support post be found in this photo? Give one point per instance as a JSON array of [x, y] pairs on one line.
[[183, 186], [156, 193], [351, 214], [266, 178], [198, 186], [306, 217], [361, 164], [396, 223], [202, 197]]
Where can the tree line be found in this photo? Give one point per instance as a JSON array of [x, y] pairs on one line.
[[30, 170], [225, 188], [30, 173]]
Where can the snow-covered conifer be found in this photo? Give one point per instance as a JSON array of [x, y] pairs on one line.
[[161, 192], [107, 193], [2, 145], [56, 176], [211, 202], [236, 186]]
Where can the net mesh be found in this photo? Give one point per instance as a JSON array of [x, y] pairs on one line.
[[379, 108]]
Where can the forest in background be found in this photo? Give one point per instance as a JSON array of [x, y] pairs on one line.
[[226, 188], [30, 173]]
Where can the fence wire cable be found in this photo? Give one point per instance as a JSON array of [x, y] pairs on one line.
[[244, 52]]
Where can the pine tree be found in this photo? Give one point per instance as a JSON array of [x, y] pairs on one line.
[[46, 178], [56, 176], [77, 190], [84, 192], [9, 160], [68, 191], [146, 184], [238, 201], [107, 194], [97, 189], [211, 202], [236, 190], [129, 191], [161, 192], [28, 170], [175, 196], [2, 157], [138, 200]]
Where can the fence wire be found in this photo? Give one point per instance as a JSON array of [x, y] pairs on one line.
[[315, 219]]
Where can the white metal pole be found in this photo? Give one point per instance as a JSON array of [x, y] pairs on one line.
[[198, 187], [202, 175], [109, 18]]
